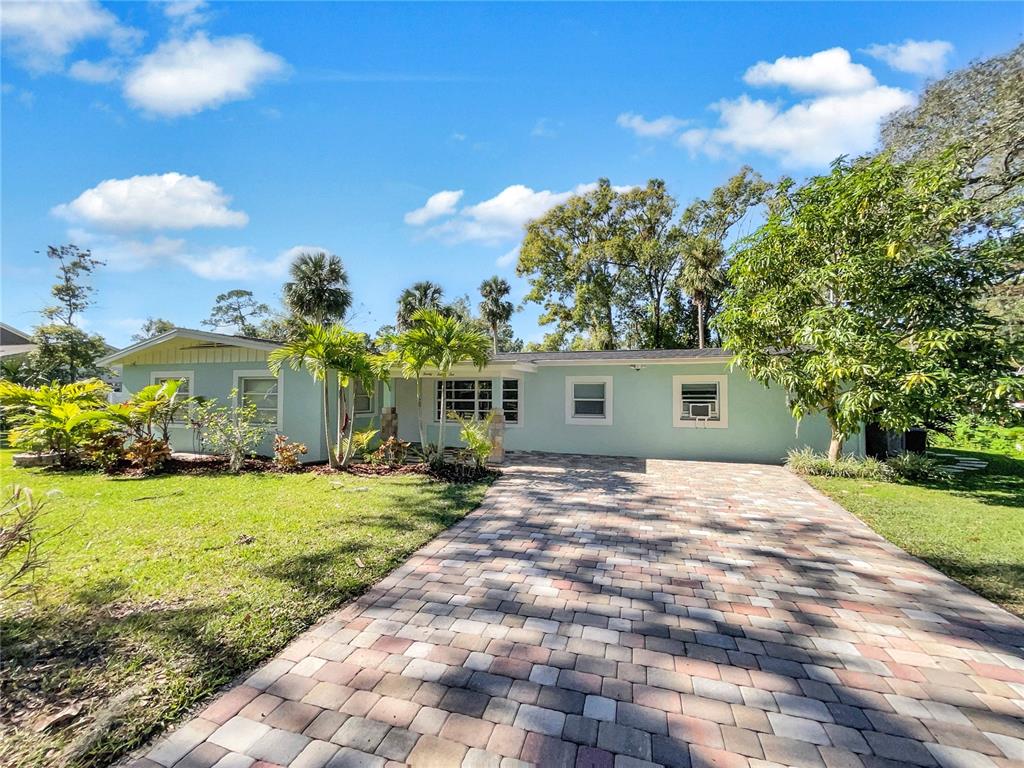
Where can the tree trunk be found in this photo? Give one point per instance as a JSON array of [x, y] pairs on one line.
[[349, 428], [440, 431], [494, 337], [339, 423], [609, 327], [835, 445], [700, 325], [419, 414], [331, 460]]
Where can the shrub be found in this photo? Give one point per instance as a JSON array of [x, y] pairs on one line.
[[19, 540], [235, 431], [60, 418], [475, 433], [286, 453], [982, 434], [806, 462], [148, 453], [106, 451], [917, 467], [390, 453]]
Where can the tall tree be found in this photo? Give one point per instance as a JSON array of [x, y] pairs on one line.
[[317, 290], [421, 295], [703, 231], [237, 309], [981, 110], [702, 277], [495, 309], [858, 296], [153, 326], [64, 352], [71, 293]]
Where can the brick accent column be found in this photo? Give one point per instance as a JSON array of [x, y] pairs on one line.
[[497, 432], [388, 422]]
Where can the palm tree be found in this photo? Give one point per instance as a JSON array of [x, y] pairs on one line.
[[702, 277], [421, 295], [441, 342], [318, 290], [326, 351], [495, 309]]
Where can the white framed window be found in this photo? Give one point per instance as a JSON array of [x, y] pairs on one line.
[[511, 401], [185, 389], [185, 377], [588, 400], [262, 390], [470, 398], [363, 399], [700, 402]]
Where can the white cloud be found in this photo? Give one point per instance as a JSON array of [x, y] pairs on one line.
[[503, 217], [657, 128], [545, 127], [128, 254], [185, 14], [183, 77], [829, 71], [806, 134], [95, 71], [508, 259], [919, 57], [165, 201], [238, 263], [42, 34], [439, 204]]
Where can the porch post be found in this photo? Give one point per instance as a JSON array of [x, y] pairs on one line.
[[497, 433], [389, 412]]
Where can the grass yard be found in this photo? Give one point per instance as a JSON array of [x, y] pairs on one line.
[[162, 589], [970, 527]]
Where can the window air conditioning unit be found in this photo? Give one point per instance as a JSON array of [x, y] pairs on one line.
[[700, 410]]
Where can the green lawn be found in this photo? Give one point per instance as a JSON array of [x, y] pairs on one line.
[[970, 527], [162, 589]]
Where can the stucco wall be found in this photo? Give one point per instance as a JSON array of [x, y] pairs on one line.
[[760, 427], [301, 416]]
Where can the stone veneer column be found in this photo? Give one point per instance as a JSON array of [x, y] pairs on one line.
[[388, 422], [497, 432]]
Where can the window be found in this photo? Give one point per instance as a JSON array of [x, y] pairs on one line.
[[588, 400], [262, 393], [363, 399], [470, 398], [510, 400], [184, 388], [699, 401]]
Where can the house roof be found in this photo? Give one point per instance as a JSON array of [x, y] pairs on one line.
[[613, 356], [214, 339]]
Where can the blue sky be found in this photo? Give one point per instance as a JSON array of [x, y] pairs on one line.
[[194, 146]]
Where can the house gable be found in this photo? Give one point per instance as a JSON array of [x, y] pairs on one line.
[[187, 346]]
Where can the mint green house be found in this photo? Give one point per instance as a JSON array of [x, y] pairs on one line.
[[676, 404]]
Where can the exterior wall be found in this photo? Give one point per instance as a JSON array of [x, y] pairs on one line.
[[759, 425], [300, 416]]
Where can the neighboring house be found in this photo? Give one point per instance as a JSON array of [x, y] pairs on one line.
[[685, 403], [14, 343]]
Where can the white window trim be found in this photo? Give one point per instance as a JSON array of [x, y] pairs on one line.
[[723, 401], [190, 375], [501, 403], [476, 397], [606, 420], [373, 399], [264, 374]]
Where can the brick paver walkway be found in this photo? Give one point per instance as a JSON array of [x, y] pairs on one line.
[[600, 612]]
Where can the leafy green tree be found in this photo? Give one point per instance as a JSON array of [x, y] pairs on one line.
[[421, 295], [441, 342], [979, 109], [495, 309], [237, 309], [65, 353], [317, 291], [154, 326], [859, 296], [334, 351]]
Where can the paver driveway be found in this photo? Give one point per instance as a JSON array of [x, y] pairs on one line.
[[599, 612]]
